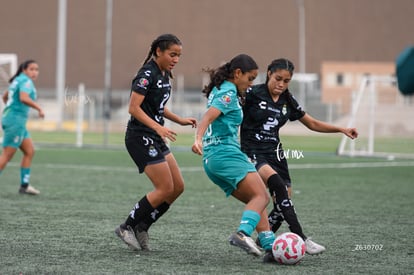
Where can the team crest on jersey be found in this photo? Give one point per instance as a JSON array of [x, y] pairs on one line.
[[143, 83], [152, 151], [225, 99], [252, 161], [27, 85], [284, 109]]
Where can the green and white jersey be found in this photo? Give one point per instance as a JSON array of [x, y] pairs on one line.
[[224, 129], [15, 109]]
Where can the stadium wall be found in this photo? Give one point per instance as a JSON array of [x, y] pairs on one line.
[[212, 31]]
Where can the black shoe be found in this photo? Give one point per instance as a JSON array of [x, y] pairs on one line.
[[268, 257]]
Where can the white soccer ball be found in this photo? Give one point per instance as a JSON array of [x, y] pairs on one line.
[[288, 248]]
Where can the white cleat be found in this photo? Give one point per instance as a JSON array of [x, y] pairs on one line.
[[127, 236], [143, 239], [313, 248], [246, 243], [30, 190]]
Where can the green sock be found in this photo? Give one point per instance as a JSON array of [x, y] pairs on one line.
[[249, 221], [266, 239], [24, 176]]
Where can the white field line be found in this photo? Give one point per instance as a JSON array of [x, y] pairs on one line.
[[200, 168]]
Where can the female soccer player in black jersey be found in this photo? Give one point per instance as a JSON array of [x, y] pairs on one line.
[[266, 109], [146, 136]]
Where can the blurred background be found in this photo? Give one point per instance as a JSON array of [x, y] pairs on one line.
[[88, 51]]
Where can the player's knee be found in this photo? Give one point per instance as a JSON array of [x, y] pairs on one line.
[[276, 184], [168, 193], [28, 152], [264, 196], [178, 189]]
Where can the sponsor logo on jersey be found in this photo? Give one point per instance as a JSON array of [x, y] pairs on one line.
[[252, 160], [27, 84], [143, 83], [263, 105], [162, 85], [159, 83], [284, 109], [225, 99]]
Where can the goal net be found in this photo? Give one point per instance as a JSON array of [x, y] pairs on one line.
[[8, 66], [382, 116]]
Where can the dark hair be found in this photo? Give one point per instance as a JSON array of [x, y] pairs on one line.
[[280, 64], [163, 42], [217, 76], [23, 66]]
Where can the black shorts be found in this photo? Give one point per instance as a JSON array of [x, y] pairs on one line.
[[145, 149], [280, 165]]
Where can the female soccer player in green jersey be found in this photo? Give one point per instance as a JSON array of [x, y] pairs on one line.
[[224, 162], [19, 98]]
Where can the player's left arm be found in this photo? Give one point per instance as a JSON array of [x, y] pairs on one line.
[[25, 98], [180, 120], [323, 127]]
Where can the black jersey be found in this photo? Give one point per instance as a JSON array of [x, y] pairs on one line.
[[156, 88], [263, 118]]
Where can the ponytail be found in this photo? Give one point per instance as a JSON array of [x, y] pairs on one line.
[[23, 66], [217, 76], [163, 42]]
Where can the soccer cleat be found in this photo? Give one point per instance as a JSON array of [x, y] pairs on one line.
[[143, 238], [29, 190], [313, 248], [127, 236], [245, 242], [268, 257]]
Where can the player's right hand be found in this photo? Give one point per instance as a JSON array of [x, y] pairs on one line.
[[197, 148]]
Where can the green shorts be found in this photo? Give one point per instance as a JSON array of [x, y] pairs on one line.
[[226, 167], [14, 134]]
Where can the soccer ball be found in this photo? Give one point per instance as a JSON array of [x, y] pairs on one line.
[[288, 248]]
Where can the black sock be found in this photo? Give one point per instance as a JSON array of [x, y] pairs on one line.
[[140, 212], [278, 188], [275, 218], [153, 217]]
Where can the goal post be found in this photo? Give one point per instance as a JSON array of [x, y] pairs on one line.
[[382, 118], [8, 66]]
